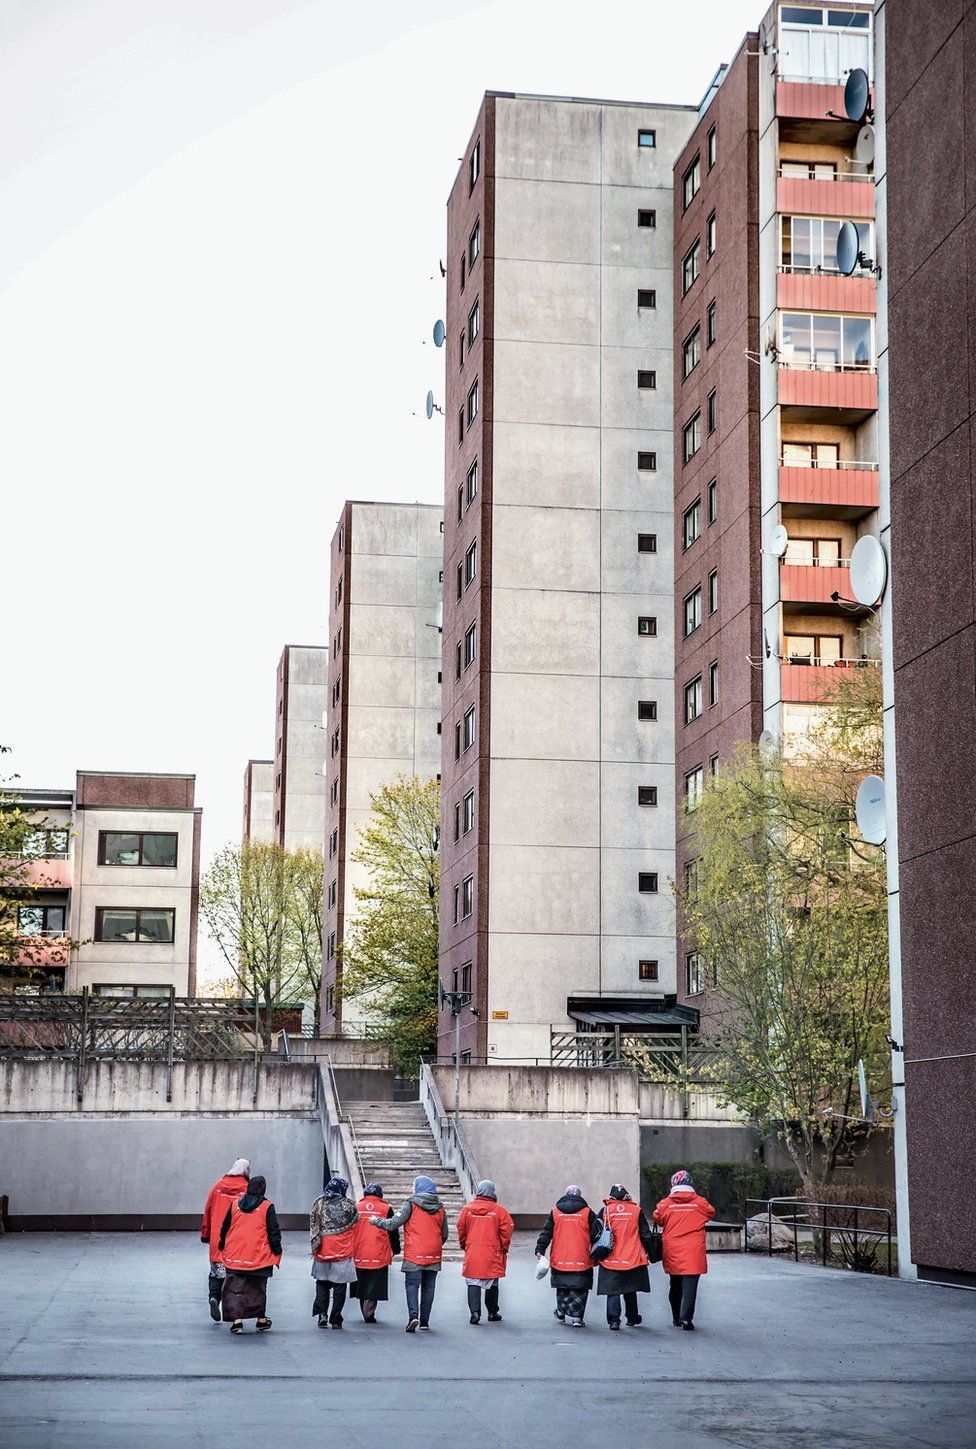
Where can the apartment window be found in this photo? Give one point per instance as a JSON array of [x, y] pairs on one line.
[[694, 784], [334, 793], [826, 342], [457, 660], [40, 920], [693, 611], [474, 245], [710, 325], [457, 739], [472, 403], [460, 580], [713, 591], [460, 503], [712, 411], [647, 970], [457, 822], [693, 700], [646, 297], [809, 170], [330, 996], [647, 462], [691, 352], [811, 50], [331, 945], [461, 347], [333, 843], [474, 323], [474, 166], [333, 890], [691, 524], [342, 538], [710, 149], [647, 709], [710, 236], [338, 595], [647, 626], [809, 243], [813, 648], [471, 564], [460, 426], [691, 183], [713, 684], [694, 974], [466, 989], [713, 766], [463, 268], [45, 845], [712, 496], [467, 896], [471, 481], [691, 438], [467, 813], [646, 217], [646, 379], [646, 140], [457, 904], [691, 875], [335, 741], [469, 645], [157, 848], [336, 651], [647, 794], [811, 455], [148, 927], [690, 266], [647, 882], [647, 543], [469, 728], [337, 690], [821, 553]]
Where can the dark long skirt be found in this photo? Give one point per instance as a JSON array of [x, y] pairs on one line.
[[615, 1280], [245, 1296], [372, 1285]]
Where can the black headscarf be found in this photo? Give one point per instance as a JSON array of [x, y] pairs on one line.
[[253, 1196], [619, 1194]]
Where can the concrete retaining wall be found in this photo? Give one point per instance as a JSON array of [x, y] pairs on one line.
[[541, 1091], [50, 1086], [531, 1159]]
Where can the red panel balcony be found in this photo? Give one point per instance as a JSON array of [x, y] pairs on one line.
[[810, 292], [805, 196], [44, 952], [813, 584], [808, 100], [813, 683], [853, 491], [853, 394], [49, 873]]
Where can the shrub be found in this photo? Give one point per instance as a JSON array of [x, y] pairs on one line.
[[726, 1185]]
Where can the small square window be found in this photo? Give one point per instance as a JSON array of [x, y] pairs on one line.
[[647, 882], [646, 217], [647, 794], [647, 543], [647, 139], [647, 626], [647, 462], [647, 970], [646, 379], [646, 297], [647, 709]]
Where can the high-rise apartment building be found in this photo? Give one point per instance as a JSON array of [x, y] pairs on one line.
[[776, 397], [258, 817], [558, 662], [116, 868], [301, 695], [383, 691]]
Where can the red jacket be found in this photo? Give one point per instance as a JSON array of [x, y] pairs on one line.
[[683, 1216], [246, 1244], [570, 1248], [628, 1250], [423, 1242], [219, 1199], [484, 1230], [374, 1247]]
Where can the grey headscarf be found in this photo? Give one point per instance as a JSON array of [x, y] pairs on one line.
[[486, 1189]]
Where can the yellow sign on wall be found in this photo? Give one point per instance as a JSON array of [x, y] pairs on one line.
[[499, 1016]]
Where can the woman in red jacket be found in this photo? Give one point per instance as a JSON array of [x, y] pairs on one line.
[[231, 1186], [484, 1231], [683, 1215]]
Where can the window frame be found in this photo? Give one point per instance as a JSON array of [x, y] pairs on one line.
[[648, 970], [691, 432], [713, 684], [647, 211], [692, 695], [710, 324], [647, 711], [138, 912], [644, 145], [652, 877], [691, 347], [647, 543], [691, 609], [711, 236], [691, 525], [650, 621], [711, 148], [651, 792], [646, 379], [691, 266], [691, 182], [646, 461], [140, 864]]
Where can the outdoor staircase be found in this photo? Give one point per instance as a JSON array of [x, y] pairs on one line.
[[395, 1146]]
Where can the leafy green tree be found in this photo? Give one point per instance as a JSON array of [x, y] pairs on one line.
[[24, 836], [389, 954], [786, 908]]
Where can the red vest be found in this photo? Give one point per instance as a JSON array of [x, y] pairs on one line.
[[422, 1242], [627, 1251], [374, 1247], [338, 1245], [569, 1251], [246, 1246]]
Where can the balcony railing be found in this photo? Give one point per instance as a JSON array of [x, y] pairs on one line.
[[816, 661], [862, 176], [822, 365], [815, 563], [842, 463]]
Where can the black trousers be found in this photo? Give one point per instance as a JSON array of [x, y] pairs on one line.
[[215, 1287], [322, 1292], [474, 1299], [630, 1306], [682, 1295]]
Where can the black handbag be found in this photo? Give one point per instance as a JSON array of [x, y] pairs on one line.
[[655, 1250]]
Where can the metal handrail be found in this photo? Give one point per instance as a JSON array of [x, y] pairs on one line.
[[838, 463], [814, 563], [819, 663], [344, 1117], [840, 176], [453, 1147], [795, 366], [823, 1227]]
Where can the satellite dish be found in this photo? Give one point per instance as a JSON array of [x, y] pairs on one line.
[[857, 95], [769, 343], [440, 332], [869, 570], [867, 1106], [429, 405], [763, 39], [325, 767], [869, 810], [325, 719], [779, 541], [864, 146], [848, 248], [440, 615], [767, 742]]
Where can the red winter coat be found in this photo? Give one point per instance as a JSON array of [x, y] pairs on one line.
[[219, 1199], [484, 1230], [683, 1216]]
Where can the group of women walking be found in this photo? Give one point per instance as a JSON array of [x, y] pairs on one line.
[[354, 1244]]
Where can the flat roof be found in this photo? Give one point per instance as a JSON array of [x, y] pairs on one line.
[[589, 101]]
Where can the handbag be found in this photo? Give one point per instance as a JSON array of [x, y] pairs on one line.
[[655, 1250], [603, 1246]]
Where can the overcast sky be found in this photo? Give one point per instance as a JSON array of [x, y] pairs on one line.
[[220, 223]]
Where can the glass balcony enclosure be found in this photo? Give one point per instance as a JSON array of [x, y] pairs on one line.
[[819, 44], [826, 342], [809, 243]]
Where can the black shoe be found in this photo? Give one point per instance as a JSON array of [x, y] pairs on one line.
[[613, 1323], [688, 1326], [263, 1324], [323, 1321], [215, 1309], [635, 1322], [676, 1323], [370, 1319], [561, 1316], [237, 1327], [494, 1318], [475, 1318], [425, 1327], [335, 1325], [413, 1325]]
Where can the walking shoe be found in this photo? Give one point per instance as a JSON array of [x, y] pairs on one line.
[[215, 1309], [323, 1321], [676, 1323], [425, 1327], [335, 1325], [494, 1318], [635, 1322], [561, 1316], [263, 1324], [576, 1323], [474, 1318], [413, 1325], [237, 1327], [613, 1323], [688, 1326]]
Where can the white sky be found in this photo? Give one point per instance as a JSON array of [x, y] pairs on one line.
[[220, 222]]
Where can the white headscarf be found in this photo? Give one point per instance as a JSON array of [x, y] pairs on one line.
[[241, 1168]]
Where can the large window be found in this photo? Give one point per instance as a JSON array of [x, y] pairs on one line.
[[45, 845], [148, 847], [691, 352], [690, 266], [822, 45], [146, 925], [691, 438], [693, 700], [826, 342], [694, 974], [811, 455], [809, 243], [40, 920], [690, 183], [822, 553], [813, 648], [693, 611]]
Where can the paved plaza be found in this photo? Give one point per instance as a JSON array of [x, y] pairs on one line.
[[105, 1341]]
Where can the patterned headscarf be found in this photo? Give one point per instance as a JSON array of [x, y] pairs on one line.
[[573, 1191], [373, 1189], [336, 1187], [681, 1179]]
